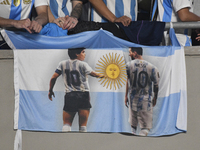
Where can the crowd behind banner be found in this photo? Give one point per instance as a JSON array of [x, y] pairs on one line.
[[34, 15]]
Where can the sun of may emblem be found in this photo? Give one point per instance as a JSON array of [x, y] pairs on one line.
[[114, 70]]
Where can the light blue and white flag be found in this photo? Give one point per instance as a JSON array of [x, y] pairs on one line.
[[33, 68]]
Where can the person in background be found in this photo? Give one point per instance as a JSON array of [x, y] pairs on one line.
[[114, 11], [144, 9], [65, 13], [175, 11], [16, 14]]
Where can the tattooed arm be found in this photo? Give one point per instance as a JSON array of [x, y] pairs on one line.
[[76, 8], [72, 20]]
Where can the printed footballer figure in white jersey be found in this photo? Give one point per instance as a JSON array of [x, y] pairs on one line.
[[77, 99], [142, 85]]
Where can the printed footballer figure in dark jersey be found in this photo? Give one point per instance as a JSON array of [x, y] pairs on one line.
[[77, 99], [142, 86]]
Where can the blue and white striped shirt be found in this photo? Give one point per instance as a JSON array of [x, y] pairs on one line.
[[19, 9], [118, 8], [167, 9], [60, 8], [167, 12]]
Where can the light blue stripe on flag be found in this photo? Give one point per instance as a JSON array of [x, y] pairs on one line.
[[188, 41], [108, 113], [89, 39], [38, 113], [164, 122], [162, 51]]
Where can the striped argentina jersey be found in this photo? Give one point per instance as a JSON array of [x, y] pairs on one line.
[[142, 75], [167, 12], [74, 74], [118, 8], [167, 9], [60, 8], [18, 9]]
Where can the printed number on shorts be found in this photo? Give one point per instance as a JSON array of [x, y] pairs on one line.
[[73, 77], [140, 78]]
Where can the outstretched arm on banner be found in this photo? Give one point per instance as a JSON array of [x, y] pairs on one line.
[[95, 74], [51, 85]]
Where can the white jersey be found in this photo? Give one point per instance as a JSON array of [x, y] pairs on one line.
[[142, 75], [167, 9], [60, 8], [118, 8], [19, 9], [75, 74], [167, 12]]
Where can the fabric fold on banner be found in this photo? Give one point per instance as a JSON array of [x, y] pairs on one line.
[[181, 119], [89, 39]]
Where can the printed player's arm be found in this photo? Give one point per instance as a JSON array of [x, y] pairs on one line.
[[51, 85]]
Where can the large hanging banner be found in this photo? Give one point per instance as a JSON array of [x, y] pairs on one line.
[[109, 57]]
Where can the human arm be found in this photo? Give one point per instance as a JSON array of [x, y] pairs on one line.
[[155, 95], [95, 74], [72, 20], [51, 85], [68, 22], [101, 8], [185, 15], [198, 37], [40, 20], [59, 21], [19, 24], [126, 94]]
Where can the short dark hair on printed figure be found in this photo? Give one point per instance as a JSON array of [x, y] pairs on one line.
[[139, 50], [73, 51]]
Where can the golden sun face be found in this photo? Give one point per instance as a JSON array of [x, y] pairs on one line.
[[114, 70]]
